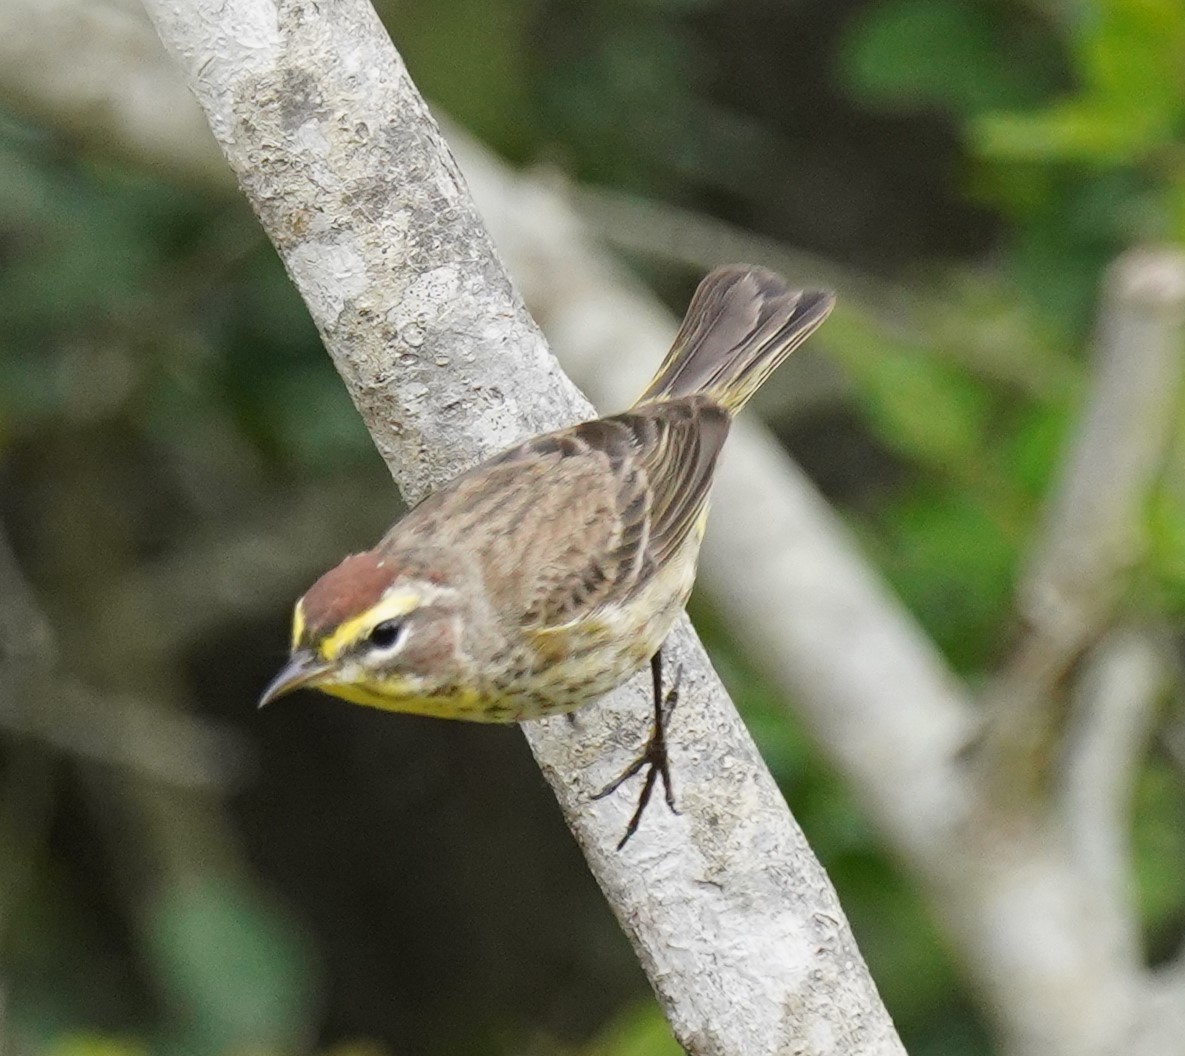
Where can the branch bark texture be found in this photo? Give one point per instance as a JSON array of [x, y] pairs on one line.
[[735, 922]]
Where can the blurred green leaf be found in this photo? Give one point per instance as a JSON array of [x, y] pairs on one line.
[[238, 971], [638, 1031], [1158, 840], [947, 54], [923, 407], [1073, 131], [1132, 58], [954, 566], [311, 419], [87, 1044], [1036, 443], [473, 58], [1160, 582]]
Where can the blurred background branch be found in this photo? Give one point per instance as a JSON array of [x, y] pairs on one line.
[[1093, 536], [39, 700], [1039, 827]]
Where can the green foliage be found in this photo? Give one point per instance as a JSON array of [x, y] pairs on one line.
[[1166, 550], [1083, 168], [979, 457], [896, 384], [120, 297], [1100, 167], [1129, 60], [638, 1031], [954, 565], [473, 58], [89, 1044], [1079, 166], [1080, 170], [1159, 849], [950, 54], [235, 970], [621, 98]]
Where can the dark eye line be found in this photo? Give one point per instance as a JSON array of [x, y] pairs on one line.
[[386, 634]]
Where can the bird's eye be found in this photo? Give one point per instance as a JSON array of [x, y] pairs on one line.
[[386, 634]]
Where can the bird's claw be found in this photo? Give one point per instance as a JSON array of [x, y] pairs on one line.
[[654, 756]]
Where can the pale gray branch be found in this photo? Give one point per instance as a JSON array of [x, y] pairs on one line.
[[733, 919], [41, 701], [172, 748], [1093, 532], [1161, 1024], [1112, 712], [106, 43]]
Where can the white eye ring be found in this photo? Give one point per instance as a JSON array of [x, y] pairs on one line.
[[387, 636]]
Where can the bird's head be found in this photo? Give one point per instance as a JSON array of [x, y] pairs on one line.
[[379, 630]]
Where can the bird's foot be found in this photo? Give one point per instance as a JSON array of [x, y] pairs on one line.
[[654, 757]]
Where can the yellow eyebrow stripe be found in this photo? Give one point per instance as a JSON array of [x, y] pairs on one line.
[[397, 603], [298, 623]]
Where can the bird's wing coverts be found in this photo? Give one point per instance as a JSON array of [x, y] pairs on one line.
[[573, 521]]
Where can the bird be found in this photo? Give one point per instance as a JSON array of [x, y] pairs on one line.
[[549, 574]]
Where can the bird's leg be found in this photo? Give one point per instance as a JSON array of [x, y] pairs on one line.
[[654, 755]]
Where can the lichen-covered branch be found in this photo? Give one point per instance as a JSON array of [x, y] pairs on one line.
[[733, 919]]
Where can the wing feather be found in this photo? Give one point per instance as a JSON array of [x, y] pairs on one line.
[[571, 522]]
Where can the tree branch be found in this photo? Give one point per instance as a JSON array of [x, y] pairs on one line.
[[149, 119], [41, 701], [1111, 718], [733, 919], [871, 309], [1094, 531]]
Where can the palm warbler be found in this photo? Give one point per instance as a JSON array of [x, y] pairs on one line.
[[544, 577]]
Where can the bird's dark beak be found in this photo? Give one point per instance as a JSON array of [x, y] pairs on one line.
[[303, 669]]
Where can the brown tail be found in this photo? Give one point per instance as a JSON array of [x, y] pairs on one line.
[[741, 323]]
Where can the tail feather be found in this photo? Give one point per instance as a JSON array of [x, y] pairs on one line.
[[741, 324]]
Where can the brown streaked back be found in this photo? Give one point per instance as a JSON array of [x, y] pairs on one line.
[[574, 520]]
